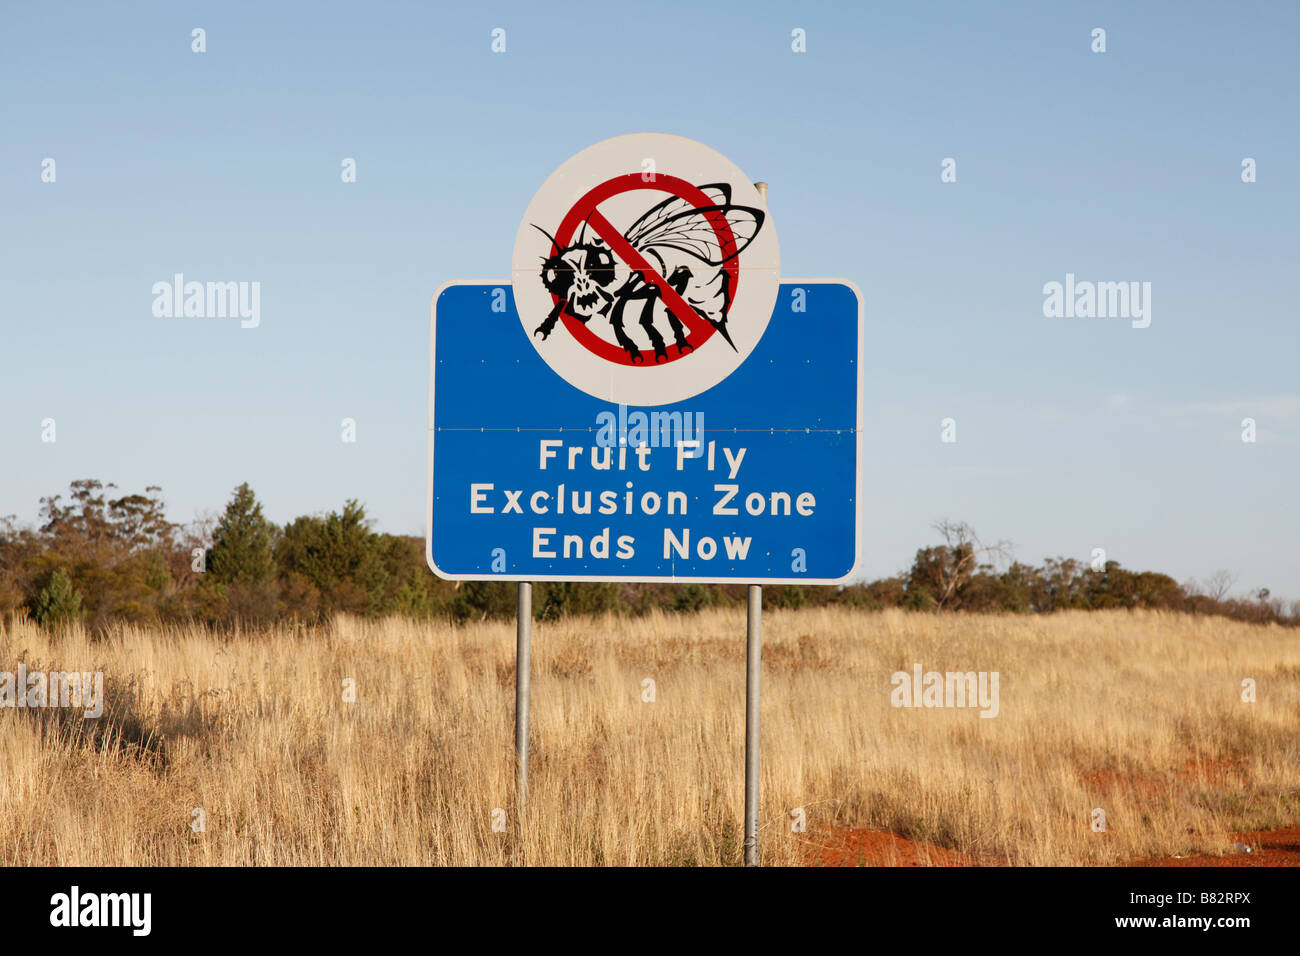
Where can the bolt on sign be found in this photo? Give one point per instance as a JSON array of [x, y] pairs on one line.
[[645, 399]]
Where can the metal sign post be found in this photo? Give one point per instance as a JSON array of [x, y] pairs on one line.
[[753, 674], [523, 675], [753, 680]]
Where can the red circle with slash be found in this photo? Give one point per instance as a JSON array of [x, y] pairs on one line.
[[585, 210]]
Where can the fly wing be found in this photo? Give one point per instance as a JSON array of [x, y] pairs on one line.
[[695, 232], [719, 194], [679, 224]]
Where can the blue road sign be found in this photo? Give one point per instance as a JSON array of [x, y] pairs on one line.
[[754, 479]]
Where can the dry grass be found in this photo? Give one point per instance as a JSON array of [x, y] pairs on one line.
[[1136, 713]]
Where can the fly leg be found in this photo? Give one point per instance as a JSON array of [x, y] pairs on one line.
[[677, 282], [616, 320], [548, 324], [679, 334], [648, 323]]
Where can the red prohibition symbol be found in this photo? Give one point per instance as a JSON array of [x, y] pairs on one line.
[[695, 328]]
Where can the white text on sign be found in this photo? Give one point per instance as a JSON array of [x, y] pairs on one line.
[[729, 498]]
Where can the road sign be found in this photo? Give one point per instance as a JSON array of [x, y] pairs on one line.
[[646, 269], [753, 479], [569, 439]]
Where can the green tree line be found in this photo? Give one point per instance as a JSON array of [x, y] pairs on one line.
[[96, 559]]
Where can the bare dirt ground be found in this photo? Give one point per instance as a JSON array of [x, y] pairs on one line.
[[849, 847], [1267, 848], [860, 847]]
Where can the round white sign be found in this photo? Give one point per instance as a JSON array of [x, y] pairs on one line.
[[646, 269]]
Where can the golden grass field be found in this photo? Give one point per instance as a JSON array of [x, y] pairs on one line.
[[1136, 713]]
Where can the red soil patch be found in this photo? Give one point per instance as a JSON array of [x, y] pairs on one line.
[[842, 846], [1267, 848], [1218, 773], [848, 847]]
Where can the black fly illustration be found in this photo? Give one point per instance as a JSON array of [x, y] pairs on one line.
[[677, 238]]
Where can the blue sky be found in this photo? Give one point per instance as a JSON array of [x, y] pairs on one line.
[[1072, 434]]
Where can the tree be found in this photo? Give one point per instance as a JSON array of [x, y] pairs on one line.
[[17, 548], [938, 574], [337, 563], [140, 521], [1219, 584], [59, 602], [242, 542], [1018, 583], [86, 520], [119, 553]]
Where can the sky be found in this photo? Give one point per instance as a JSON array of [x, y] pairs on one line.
[[1072, 434]]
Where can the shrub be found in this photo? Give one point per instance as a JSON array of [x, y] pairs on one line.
[[693, 597], [59, 603]]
